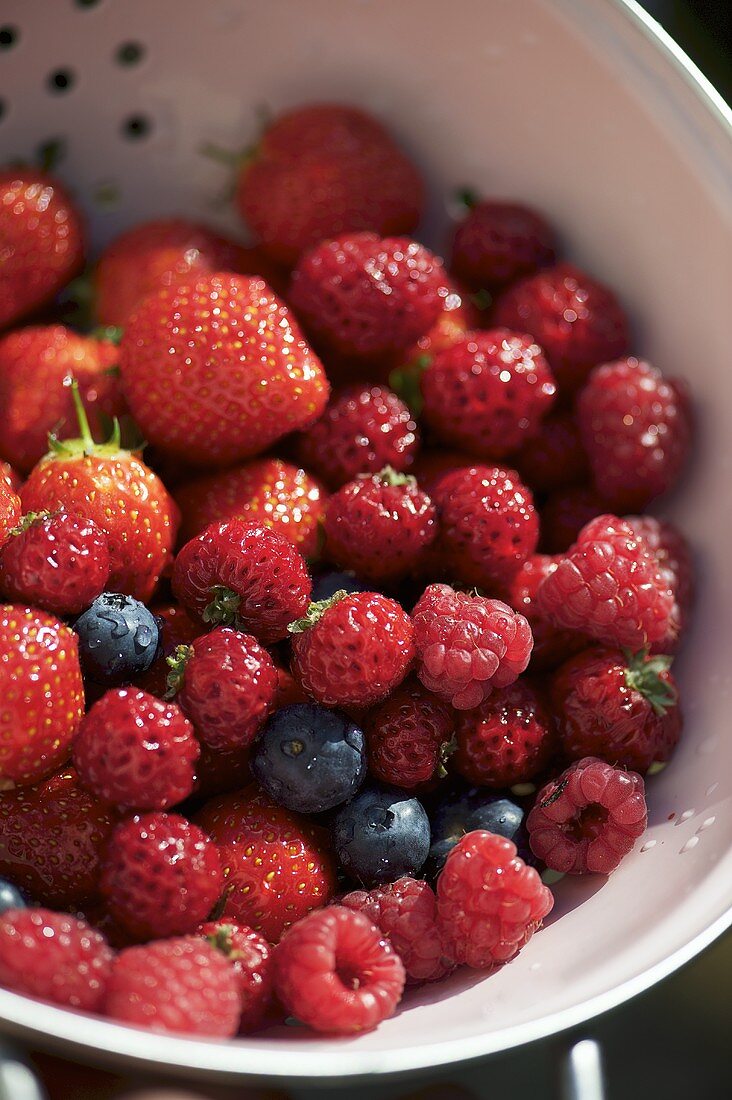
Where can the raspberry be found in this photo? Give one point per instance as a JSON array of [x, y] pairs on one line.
[[610, 587], [54, 957], [508, 739], [554, 458], [551, 645], [161, 876], [636, 431], [408, 737], [467, 645], [334, 972], [589, 817], [251, 958], [363, 429], [488, 523], [565, 513], [180, 985], [136, 751], [499, 242], [487, 392], [673, 554], [405, 912], [489, 903], [620, 708]]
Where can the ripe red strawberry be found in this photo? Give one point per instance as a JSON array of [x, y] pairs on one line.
[[42, 694], [58, 562], [35, 364], [551, 644], [244, 575], [43, 241], [409, 737], [161, 875], [565, 513], [577, 321], [10, 510], [136, 751], [554, 458], [618, 707], [10, 476], [499, 242], [267, 491], [368, 297], [52, 838], [467, 645], [488, 524], [226, 683], [457, 317], [379, 525], [111, 486], [352, 650], [487, 392], [277, 866], [363, 429], [636, 431], [508, 739], [244, 381], [176, 627], [326, 169], [252, 960]]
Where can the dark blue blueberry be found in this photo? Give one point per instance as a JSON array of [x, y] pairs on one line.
[[381, 835], [118, 639], [310, 759], [10, 896], [327, 584], [461, 812]]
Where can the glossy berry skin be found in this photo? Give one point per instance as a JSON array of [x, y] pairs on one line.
[[10, 510], [586, 820], [325, 585], [487, 392], [464, 811], [499, 242], [267, 490], [575, 319], [379, 525], [57, 562], [118, 639], [10, 476], [408, 737], [565, 513], [326, 169], [676, 565], [309, 759], [508, 739], [363, 429], [381, 835], [34, 362], [552, 645], [405, 912], [52, 838], [247, 378], [609, 587], [467, 645], [252, 960], [161, 875], [277, 866], [488, 524], [136, 751], [227, 687], [245, 575], [175, 627], [636, 431], [42, 693], [10, 897], [43, 241], [353, 651], [554, 457], [175, 985], [621, 709], [489, 902]]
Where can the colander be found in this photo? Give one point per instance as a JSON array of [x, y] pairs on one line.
[[584, 108]]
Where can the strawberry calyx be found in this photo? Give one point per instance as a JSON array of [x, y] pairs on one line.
[[112, 334], [177, 663], [406, 382], [27, 521], [467, 197], [481, 299], [222, 940], [315, 612], [392, 477], [224, 606], [447, 748], [644, 675], [85, 446]]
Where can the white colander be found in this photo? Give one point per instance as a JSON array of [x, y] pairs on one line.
[[584, 108]]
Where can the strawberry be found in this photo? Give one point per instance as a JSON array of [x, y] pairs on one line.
[[267, 491], [276, 864], [35, 364], [11, 476], [219, 371], [10, 509], [42, 694], [42, 241], [409, 737], [115, 489], [322, 170], [251, 957], [498, 242]]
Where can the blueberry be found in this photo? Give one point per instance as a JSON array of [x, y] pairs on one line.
[[118, 639], [381, 835], [327, 584], [310, 759], [460, 812], [10, 896]]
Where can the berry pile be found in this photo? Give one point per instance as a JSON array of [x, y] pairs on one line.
[[298, 708]]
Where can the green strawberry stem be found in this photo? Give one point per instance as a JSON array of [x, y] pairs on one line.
[[111, 333], [467, 197], [221, 940], [482, 299], [27, 521], [447, 748], [84, 445], [406, 381], [81, 417], [390, 476], [315, 613], [644, 674], [177, 663], [224, 607]]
